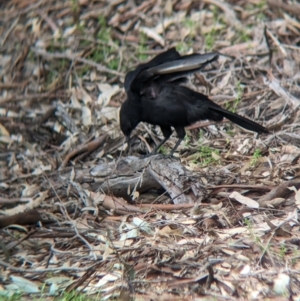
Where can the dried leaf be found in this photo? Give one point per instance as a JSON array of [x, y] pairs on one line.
[[3, 131], [151, 33], [25, 285], [107, 92], [86, 116], [244, 200], [282, 284]]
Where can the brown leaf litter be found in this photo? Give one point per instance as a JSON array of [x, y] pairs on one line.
[[220, 222]]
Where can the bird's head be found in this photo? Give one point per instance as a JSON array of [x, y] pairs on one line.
[[129, 118]]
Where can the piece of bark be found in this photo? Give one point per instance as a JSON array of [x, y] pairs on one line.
[[281, 191], [291, 8], [122, 177], [152, 173], [180, 183], [126, 175], [29, 217]]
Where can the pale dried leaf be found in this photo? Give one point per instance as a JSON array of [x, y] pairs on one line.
[[244, 200], [106, 93], [151, 33], [86, 116], [25, 285]]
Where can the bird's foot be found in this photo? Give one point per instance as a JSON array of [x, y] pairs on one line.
[[171, 156], [167, 156], [160, 156], [147, 156]]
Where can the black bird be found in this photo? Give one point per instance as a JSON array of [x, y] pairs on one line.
[[155, 94]]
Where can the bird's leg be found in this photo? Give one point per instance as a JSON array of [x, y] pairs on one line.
[[181, 134], [175, 147], [167, 132], [155, 149], [159, 145]]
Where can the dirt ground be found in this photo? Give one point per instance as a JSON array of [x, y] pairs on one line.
[[80, 219]]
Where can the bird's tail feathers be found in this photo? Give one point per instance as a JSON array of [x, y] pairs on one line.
[[240, 120]]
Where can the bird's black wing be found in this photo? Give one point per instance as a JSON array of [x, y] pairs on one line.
[[190, 63], [167, 56], [166, 67], [177, 70]]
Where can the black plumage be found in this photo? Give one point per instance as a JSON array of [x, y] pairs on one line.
[[155, 94]]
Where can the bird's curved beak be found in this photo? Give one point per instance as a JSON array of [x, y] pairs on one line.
[[128, 143], [128, 140]]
